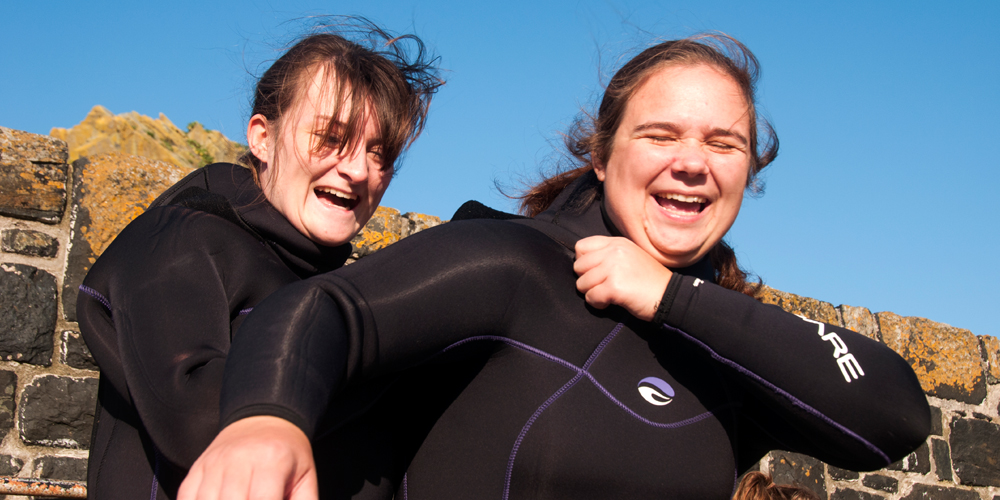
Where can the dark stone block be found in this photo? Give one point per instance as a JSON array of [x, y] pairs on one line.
[[942, 459], [919, 461], [880, 482], [937, 425], [33, 174], [849, 494], [975, 446], [75, 352], [27, 314], [27, 242], [58, 411], [800, 470], [8, 385], [981, 416], [33, 191], [65, 468], [10, 466], [931, 492], [842, 474]]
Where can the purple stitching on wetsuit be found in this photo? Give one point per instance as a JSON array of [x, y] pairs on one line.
[[404, 486], [562, 390], [156, 474], [580, 373], [593, 357], [519, 345], [604, 343], [795, 401], [245, 311], [527, 426], [97, 295]]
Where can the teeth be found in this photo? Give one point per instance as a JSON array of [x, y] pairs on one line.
[[338, 194], [682, 198]]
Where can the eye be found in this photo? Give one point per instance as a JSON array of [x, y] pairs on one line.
[[661, 139], [375, 153], [328, 142], [724, 146]]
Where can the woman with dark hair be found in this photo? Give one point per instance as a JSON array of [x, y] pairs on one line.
[[608, 347], [160, 307]]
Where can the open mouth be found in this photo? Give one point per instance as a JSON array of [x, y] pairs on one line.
[[682, 204], [337, 198]]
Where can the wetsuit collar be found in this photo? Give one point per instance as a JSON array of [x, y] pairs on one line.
[[580, 209], [304, 256]]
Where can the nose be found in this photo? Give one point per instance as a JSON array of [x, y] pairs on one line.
[[354, 166], [691, 159]]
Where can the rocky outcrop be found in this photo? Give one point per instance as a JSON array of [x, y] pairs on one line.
[[156, 139]]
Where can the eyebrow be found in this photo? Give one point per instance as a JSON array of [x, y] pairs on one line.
[[670, 127]]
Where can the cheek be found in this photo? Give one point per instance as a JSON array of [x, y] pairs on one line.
[[378, 182]]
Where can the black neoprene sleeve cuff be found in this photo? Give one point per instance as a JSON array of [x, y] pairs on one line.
[[663, 310]]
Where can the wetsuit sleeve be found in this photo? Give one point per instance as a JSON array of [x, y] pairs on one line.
[[812, 387], [173, 279], [390, 311]]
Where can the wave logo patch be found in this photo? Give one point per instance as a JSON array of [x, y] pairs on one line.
[[656, 391]]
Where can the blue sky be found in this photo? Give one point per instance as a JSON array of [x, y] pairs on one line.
[[883, 195]]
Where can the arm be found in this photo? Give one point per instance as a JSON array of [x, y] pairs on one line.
[[306, 343], [172, 281], [815, 388]]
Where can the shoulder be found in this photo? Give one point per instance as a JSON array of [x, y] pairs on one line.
[[478, 243], [171, 235]]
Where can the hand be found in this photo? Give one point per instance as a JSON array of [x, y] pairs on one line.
[[615, 270], [259, 458]]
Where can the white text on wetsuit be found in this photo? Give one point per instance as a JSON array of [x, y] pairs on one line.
[[845, 360]]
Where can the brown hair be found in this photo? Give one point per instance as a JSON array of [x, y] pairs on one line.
[[391, 77], [759, 486], [590, 139]]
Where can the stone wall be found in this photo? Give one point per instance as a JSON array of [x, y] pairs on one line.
[[56, 218]]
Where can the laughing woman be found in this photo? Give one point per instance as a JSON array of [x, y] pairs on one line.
[[160, 307], [617, 351]]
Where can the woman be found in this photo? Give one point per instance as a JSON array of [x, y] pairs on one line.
[[159, 308], [671, 394]]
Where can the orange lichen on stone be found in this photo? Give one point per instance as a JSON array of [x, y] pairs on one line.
[[384, 229], [811, 308], [33, 176], [116, 188], [946, 359]]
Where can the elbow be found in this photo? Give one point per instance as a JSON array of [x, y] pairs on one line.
[[910, 430]]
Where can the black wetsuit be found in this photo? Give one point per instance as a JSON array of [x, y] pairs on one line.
[[553, 399], [158, 310]]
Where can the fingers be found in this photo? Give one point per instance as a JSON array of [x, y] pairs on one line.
[[614, 270], [257, 458]]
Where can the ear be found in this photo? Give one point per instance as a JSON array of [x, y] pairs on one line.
[[257, 138], [599, 169]]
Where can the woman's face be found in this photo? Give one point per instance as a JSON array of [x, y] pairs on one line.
[[674, 181], [327, 195]]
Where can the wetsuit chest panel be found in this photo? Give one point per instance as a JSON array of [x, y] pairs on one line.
[[466, 453], [534, 425], [611, 436]]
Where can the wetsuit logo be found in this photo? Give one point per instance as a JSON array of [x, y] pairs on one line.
[[655, 391]]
